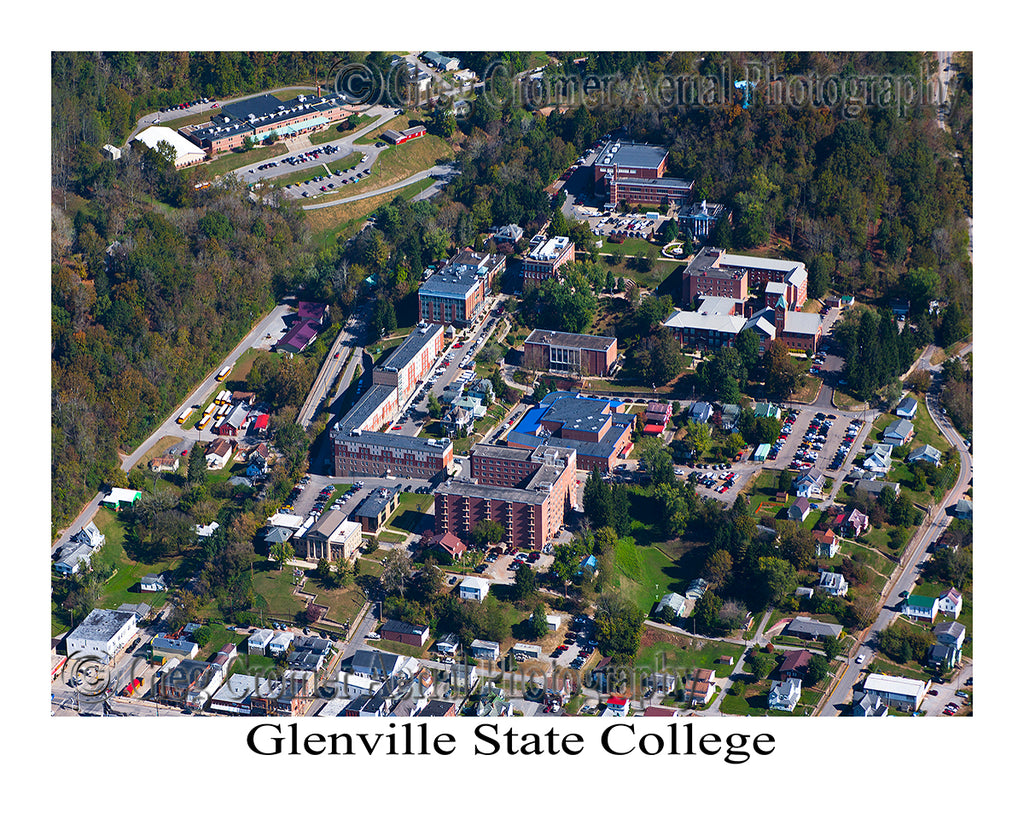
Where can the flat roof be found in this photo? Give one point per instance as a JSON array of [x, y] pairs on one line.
[[376, 502], [419, 338], [366, 406], [904, 686], [804, 324], [409, 443], [631, 155], [560, 339], [101, 624]]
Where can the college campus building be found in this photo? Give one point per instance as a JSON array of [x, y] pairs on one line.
[[594, 427], [701, 219], [455, 293], [331, 537], [570, 352], [526, 492], [360, 449], [545, 256], [723, 283], [185, 152], [260, 117], [635, 173]]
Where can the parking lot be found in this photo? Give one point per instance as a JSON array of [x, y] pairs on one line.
[[577, 645], [825, 440]]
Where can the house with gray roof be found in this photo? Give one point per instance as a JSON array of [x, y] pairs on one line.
[[926, 453], [784, 694], [869, 704], [833, 583], [669, 606], [898, 433], [807, 629], [907, 408]]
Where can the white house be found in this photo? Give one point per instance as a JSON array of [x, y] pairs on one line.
[[73, 556], [784, 695], [896, 692], [879, 459], [927, 453], [449, 644], [91, 536], [907, 408], [808, 482], [153, 583], [474, 588], [280, 644], [616, 707], [834, 583], [951, 602], [103, 633], [259, 640]]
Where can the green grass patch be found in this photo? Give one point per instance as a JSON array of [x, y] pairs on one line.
[[681, 655], [339, 223], [401, 648], [644, 574], [411, 508], [391, 537]]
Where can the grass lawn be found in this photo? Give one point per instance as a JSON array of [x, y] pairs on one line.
[[680, 654], [809, 391], [401, 648], [390, 537], [340, 130], [660, 269], [411, 508], [343, 221], [159, 448], [128, 572], [645, 574], [847, 402], [395, 164], [233, 161]]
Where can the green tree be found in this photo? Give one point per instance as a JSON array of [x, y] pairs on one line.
[[761, 665], [196, 466], [597, 500], [776, 578], [526, 584], [830, 645], [282, 553], [396, 574], [698, 436], [538, 626], [619, 624], [717, 567], [817, 670], [488, 531], [705, 612]]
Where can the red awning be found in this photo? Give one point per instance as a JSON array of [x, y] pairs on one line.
[[261, 422], [654, 429]]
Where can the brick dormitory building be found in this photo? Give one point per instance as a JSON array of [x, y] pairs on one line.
[[572, 353], [360, 449], [455, 293], [735, 292], [527, 491]]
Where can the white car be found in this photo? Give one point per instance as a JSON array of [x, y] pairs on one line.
[[860, 659]]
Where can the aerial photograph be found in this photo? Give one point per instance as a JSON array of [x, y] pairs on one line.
[[483, 384]]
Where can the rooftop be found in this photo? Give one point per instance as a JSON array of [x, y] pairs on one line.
[[101, 624], [419, 338], [559, 339], [631, 155]]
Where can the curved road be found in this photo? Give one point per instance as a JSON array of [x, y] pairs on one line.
[[912, 562]]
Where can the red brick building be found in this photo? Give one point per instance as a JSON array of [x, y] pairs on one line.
[[531, 510], [570, 352], [545, 256], [635, 173]]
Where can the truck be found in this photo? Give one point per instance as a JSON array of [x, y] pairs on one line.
[[224, 373]]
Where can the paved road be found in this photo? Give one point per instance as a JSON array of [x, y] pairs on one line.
[[353, 330], [912, 563], [440, 172], [170, 427]]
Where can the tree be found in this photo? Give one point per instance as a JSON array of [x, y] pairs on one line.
[[698, 435], [761, 665], [705, 612], [717, 567], [282, 553], [776, 577], [830, 645], [732, 615], [779, 370], [397, 571], [538, 621], [597, 500], [434, 408], [817, 670], [430, 581], [619, 624], [323, 570], [196, 466], [526, 584], [488, 531]]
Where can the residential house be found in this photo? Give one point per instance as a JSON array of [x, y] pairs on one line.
[[449, 544], [907, 408], [951, 602], [438, 708], [875, 488], [280, 643], [852, 522], [807, 629], [153, 583], [661, 711], [948, 648], [259, 640], [701, 411], [784, 694], [898, 433], [921, 607], [879, 459], [800, 509], [449, 644], [408, 633], [484, 650], [926, 453], [834, 583], [700, 687], [165, 463], [218, 453], [117, 497], [616, 707], [795, 664], [380, 665], [901, 693], [696, 589], [670, 606], [474, 588], [868, 704], [808, 482], [730, 415], [964, 509], [827, 544], [764, 409], [588, 566], [74, 556]]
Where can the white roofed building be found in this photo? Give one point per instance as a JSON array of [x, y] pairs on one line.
[[185, 152]]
